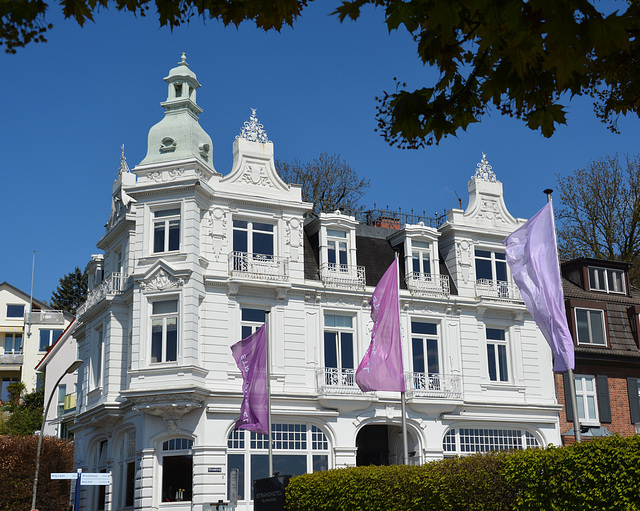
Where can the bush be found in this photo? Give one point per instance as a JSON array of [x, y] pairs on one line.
[[596, 475], [17, 469]]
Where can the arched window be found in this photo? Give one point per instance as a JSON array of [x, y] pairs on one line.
[[126, 483], [471, 440], [177, 470], [297, 449], [99, 464]]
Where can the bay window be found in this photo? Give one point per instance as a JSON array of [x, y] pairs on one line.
[[164, 331], [166, 230]]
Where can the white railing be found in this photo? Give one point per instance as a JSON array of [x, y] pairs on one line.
[[113, 285], [47, 317], [342, 276], [497, 290], [427, 284], [258, 266], [433, 385], [332, 380]]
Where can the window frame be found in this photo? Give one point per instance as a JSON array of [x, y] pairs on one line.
[[243, 445], [582, 398], [174, 452], [13, 336], [164, 216], [460, 440], [605, 289], [493, 262], [417, 254], [590, 327], [164, 316], [13, 316], [424, 338], [339, 341], [251, 319], [52, 338], [251, 232], [501, 352], [338, 245]]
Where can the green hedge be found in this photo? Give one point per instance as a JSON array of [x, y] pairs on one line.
[[600, 475]]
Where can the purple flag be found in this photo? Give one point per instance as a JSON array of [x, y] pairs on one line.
[[251, 356], [532, 255], [381, 366]]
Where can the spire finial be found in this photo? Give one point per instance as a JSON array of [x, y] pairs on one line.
[[484, 170], [183, 60], [252, 130], [123, 163]]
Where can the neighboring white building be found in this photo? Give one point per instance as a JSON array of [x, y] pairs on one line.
[[53, 365], [24, 337], [192, 261]]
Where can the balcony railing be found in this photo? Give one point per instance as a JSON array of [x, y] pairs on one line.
[[343, 276], [15, 358], [497, 290], [448, 386], [113, 285], [259, 266], [427, 284], [332, 380], [47, 317]]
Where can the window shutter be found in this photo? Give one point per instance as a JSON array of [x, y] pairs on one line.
[[634, 399], [602, 386], [567, 399]]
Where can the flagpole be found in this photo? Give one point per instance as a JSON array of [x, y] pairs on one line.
[[266, 321], [403, 404], [570, 377]]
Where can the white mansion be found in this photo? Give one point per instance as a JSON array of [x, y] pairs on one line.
[[193, 259]]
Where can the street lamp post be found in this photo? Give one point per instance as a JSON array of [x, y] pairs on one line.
[[69, 370]]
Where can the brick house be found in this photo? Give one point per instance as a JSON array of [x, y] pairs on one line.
[[603, 311]]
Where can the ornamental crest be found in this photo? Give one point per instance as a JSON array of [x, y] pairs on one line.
[[256, 175], [252, 130], [161, 282], [490, 210], [485, 171]]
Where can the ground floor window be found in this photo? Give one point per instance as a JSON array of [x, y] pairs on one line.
[[177, 470], [297, 449], [472, 440]]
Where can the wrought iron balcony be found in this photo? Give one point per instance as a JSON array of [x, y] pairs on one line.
[[427, 284], [497, 290], [47, 317], [259, 266], [446, 386], [343, 276], [333, 381], [114, 285]]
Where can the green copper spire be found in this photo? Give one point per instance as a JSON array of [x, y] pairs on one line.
[[179, 135]]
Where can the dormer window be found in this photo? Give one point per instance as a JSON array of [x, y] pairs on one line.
[[606, 280]]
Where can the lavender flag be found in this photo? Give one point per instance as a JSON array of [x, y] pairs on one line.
[[381, 366], [250, 355], [532, 255]]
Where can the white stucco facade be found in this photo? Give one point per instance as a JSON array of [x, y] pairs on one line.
[[193, 259]]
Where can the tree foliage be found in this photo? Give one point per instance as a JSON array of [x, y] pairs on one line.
[[17, 468], [328, 181], [72, 291], [600, 212], [24, 415], [524, 58]]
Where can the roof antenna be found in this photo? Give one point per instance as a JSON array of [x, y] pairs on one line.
[[459, 199]]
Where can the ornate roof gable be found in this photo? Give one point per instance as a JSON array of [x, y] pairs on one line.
[[486, 201], [253, 160]]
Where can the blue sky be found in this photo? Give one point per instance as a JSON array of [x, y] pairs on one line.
[[69, 104]]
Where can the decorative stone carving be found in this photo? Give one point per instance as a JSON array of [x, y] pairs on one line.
[[463, 250], [202, 176], [484, 171], [252, 130], [294, 238], [218, 227], [164, 176], [490, 210], [161, 281], [255, 174], [106, 423]]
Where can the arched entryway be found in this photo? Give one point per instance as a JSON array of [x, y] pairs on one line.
[[381, 444]]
